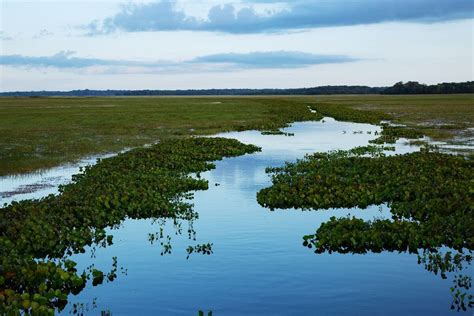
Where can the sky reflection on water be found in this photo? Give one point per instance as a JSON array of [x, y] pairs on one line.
[[259, 266]]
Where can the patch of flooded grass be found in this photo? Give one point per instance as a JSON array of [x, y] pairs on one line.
[[441, 117], [390, 134]]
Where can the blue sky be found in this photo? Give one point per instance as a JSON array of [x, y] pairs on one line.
[[109, 44]]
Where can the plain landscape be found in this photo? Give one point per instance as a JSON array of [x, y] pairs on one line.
[[152, 181], [236, 157]]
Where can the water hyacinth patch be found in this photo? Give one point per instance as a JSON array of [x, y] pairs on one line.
[[36, 236], [430, 195]]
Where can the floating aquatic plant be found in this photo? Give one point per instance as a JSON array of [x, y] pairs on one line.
[[430, 194], [36, 236]]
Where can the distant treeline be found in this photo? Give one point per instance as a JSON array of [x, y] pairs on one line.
[[410, 87], [204, 92], [413, 87]]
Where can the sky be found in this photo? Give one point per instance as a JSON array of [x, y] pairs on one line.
[[164, 44]]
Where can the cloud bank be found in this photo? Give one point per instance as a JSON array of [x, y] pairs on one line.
[[216, 62], [163, 15]]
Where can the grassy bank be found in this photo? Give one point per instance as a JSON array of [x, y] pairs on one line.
[[39, 133]]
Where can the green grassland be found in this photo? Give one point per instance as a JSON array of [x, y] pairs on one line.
[[39, 133]]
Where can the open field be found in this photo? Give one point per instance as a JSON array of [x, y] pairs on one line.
[[237, 157], [43, 132], [39, 133]]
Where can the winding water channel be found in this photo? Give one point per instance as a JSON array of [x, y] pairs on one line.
[[258, 265]]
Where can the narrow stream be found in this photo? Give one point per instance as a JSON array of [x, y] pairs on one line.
[[259, 266]]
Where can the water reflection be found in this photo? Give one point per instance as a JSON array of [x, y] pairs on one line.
[[259, 265], [258, 258]]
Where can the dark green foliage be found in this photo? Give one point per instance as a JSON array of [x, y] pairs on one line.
[[437, 262], [430, 194], [201, 92], [98, 277], [143, 183], [277, 132], [413, 87], [205, 249], [462, 300]]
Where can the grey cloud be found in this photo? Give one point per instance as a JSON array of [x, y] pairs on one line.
[[164, 16]]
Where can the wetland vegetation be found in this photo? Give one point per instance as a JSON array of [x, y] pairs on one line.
[[37, 236], [430, 194], [440, 117], [37, 133]]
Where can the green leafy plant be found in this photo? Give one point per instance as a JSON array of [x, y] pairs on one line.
[[37, 236], [430, 195]]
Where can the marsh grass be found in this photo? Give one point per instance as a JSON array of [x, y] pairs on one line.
[[38, 133]]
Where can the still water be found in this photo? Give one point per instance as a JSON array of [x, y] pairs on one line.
[[258, 265]]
